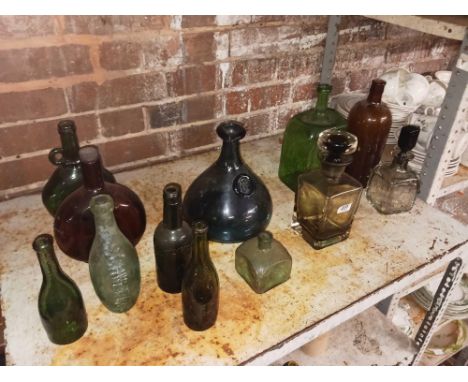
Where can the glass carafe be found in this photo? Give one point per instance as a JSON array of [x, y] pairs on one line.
[[299, 149], [74, 223], [200, 286], [172, 241], [60, 303], [67, 177], [370, 121], [228, 196], [113, 261]]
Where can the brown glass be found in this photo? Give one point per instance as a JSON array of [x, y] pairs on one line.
[[74, 224], [370, 120]]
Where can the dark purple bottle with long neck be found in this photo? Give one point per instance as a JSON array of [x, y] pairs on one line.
[[74, 224]]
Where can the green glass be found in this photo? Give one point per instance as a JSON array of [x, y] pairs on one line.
[[61, 306], [299, 150], [200, 285], [113, 261], [263, 262], [67, 176]]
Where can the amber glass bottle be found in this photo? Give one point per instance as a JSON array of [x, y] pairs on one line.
[[370, 121], [74, 223], [67, 177], [200, 286]]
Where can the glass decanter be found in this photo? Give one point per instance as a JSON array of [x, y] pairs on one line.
[[228, 196], [200, 285], [327, 199], [370, 121], [172, 241], [393, 186], [67, 177], [60, 303], [113, 261], [263, 262], [299, 150], [74, 223]]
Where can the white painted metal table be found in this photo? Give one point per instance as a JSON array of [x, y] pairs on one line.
[[384, 255]]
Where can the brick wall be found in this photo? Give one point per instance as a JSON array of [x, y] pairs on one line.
[[151, 88]]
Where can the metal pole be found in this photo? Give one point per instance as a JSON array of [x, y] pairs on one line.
[[330, 49]]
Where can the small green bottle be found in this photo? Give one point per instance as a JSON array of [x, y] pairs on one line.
[[61, 306], [299, 150], [113, 261], [263, 262]]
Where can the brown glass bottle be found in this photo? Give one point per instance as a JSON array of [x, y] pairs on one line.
[[200, 285], [74, 224], [370, 121]]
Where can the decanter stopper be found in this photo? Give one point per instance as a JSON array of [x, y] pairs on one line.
[[408, 137]]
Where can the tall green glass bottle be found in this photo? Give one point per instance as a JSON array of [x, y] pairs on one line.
[[200, 285], [61, 306], [299, 150], [113, 261]]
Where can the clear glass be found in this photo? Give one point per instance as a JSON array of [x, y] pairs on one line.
[[200, 285], [299, 149], [393, 186], [327, 199], [263, 262], [60, 303], [113, 261]]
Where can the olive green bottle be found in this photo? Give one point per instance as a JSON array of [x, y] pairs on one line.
[[263, 262], [113, 261], [299, 150], [61, 306], [200, 285]]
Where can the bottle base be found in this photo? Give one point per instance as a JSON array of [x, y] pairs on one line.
[[321, 243]]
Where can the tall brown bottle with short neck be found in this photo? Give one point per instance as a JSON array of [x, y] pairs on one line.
[[74, 224], [370, 121]]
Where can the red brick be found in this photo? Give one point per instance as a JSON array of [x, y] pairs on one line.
[[409, 50], [261, 98], [37, 63], [361, 79], [199, 47], [261, 70], [162, 50], [122, 122], [19, 106], [374, 31], [285, 114], [26, 26], [114, 24], [186, 81], [355, 57], [34, 136], [129, 90], [395, 32], [168, 114], [23, 171], [198, 108], [430, 66], [135, 148], [268, 18], [198, 21], [120, 55], [259, 40], [239, 73], [304, 91], [237, 102], [297, 65], [316, 21], [196, 136], [257, 124]]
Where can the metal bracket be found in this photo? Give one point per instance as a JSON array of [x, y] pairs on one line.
[[440, 302], [330, 49], [450, 121]]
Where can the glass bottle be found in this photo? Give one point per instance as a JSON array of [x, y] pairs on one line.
[[61, 306], [74, 223], [200, 285], [113, 260], [263, 262], [327, 199], [393, 186], [172, 241], [228, 196], [67, 177], [299, 150], [370, 120]]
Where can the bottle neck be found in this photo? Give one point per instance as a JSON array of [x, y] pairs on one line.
[[333, 172], [105, 221], [70, 146], [92, 175], [401, 159], [200, 248], [49, 264], [230, 153], [172, 215], [322, 103], [376, 91]]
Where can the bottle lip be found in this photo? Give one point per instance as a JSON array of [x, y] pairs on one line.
[[264, 239], [200, 227], [89, 154], [231, 131], [172, 193], [42, 241], [66, 125], [323, 87], [101, 202], [378, 82]]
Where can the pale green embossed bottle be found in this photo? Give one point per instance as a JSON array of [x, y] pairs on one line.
[[113, 260]]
